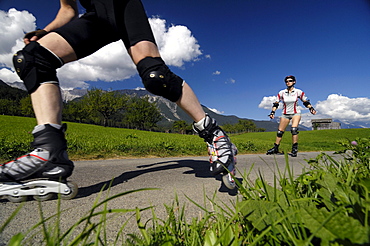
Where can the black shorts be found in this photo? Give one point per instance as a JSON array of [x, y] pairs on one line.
[[107, 21]]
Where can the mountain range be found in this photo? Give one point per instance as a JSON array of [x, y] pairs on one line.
[[171, 112]]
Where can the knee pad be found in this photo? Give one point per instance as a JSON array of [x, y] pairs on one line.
[[280, 134], [294, 131], [35, 65], [158, 78]]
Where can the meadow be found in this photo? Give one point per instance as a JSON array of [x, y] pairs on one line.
[[328, 204], [86, 142]]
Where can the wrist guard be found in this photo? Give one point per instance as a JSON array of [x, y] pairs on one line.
[[306, 103]]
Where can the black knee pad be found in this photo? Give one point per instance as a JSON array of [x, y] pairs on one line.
[[280, 134], [294, 131], [158, 78], [35, 65]]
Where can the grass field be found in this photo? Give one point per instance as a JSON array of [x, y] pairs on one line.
[[97, 142], [329, 204]]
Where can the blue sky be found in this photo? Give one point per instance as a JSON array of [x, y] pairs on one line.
[[245, 48]]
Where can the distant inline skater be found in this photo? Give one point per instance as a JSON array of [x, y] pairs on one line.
[[289, 97], [68, 38]]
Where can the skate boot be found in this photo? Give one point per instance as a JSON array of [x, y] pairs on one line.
[[273, 150], [294, 150], [220, 149], [43, 171]]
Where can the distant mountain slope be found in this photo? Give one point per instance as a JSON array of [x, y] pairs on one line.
[[171, 112], [11, 93]]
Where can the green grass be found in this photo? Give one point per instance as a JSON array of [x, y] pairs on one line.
[[97, 142], [322, 140], [327, 205]]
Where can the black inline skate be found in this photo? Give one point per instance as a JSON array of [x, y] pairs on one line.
[[222, 153], [273, 150], [294, 152], [42, 172]]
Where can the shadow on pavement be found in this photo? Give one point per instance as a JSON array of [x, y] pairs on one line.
[[199, 168]]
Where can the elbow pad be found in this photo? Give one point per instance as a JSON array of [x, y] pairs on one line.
[[275, 104]]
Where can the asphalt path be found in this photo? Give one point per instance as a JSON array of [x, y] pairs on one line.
[[184, 178]]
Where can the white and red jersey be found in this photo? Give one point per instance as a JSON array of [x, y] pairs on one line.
[[290, 100]]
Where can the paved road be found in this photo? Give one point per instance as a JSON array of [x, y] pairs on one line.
[[184, 177]]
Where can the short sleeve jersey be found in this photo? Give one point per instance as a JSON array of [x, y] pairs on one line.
[[290, 100]]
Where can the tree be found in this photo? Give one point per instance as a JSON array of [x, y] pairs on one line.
[[142, 114], [241, 126], [76, 111], [246, 125], [181, 126], [6, 106], [106, 103], [26, 106]]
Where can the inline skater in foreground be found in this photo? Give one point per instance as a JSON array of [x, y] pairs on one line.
[[66, 39]]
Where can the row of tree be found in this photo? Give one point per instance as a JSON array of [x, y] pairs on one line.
[[240, 127], [108, 108], [111, 108]]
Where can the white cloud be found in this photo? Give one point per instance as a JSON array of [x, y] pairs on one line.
[[8, 75], [216, 111], [177, 45], [336, 107], [216, 73], [14, 24], [344, 108], [267, 102], [139, 89], [110, 63], [230, 81]]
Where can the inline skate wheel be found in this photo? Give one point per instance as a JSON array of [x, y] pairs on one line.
[[72, 193], [16, 199], [42, 198], [229, 181]]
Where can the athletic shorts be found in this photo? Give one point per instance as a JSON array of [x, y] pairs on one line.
[[107, 21], [290, 116]]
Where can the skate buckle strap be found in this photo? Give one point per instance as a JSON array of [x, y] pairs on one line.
[[222, 148]]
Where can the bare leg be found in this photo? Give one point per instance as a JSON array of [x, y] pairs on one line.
[[47, 100], [190, 104], [47, 104], [295, 122], [188, 101], [282, 126], [143, 49]]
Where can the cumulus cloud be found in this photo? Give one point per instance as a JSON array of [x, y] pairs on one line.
[[344, 108], [14, 24], [335, 106], [8, 75], [110, 63], [267, 102], [176, 43], [216, 73]]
